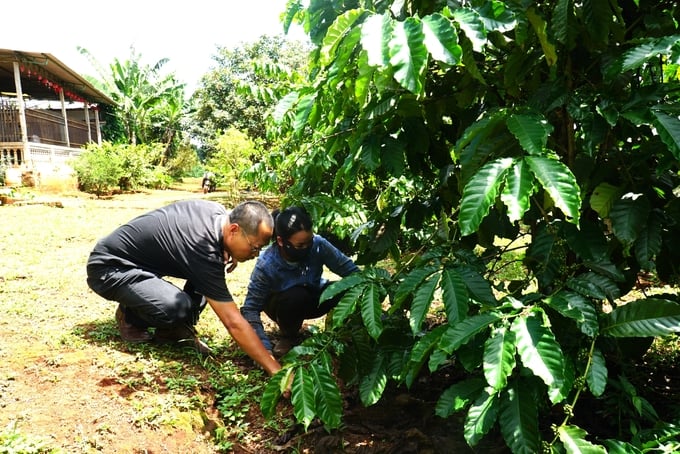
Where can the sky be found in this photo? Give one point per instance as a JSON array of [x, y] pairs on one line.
[[185, 32]]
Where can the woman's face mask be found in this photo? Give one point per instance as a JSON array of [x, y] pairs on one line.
[[296, 254]]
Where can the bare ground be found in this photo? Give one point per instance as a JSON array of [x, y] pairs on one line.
[[67, 381]]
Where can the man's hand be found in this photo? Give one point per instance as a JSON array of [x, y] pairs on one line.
[[229, 262]]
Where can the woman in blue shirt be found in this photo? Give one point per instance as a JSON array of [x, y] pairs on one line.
[[286, 283]]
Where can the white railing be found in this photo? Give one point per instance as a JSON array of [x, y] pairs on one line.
[[34, 153]]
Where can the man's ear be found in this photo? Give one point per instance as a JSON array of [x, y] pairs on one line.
[[279, 240]]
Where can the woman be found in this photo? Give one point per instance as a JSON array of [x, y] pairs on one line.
[[286, 283]]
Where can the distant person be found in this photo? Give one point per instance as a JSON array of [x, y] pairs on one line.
[[287, 282], [196, 240], [208, 184]]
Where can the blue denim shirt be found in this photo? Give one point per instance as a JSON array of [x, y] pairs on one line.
[[273, 274]]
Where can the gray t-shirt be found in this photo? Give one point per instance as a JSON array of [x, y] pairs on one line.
[[182, 240]]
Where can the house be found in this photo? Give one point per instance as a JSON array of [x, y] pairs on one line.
[[48, 113]]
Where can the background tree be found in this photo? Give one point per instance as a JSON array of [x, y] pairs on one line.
[[149, 104], [244, 85], [465, 134]]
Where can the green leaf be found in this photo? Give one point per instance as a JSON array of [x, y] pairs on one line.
[[648, 242], [375, 33], [559, 182], [272, 392], [480, 193], [541, 353], [540, 28], [517, 191], [342, 25], [304, 108], [573, 439], [420, 351], [649, 48], [373, 384], [629, 216], [284, 105], [371, 310], [458, 396], [302, 397], [441, 39], [346, 305], [481, 417], [518, 419], [499, 357], [470, 22], [597, 374], [328, 398], [532, 131], [412, 281], [461, 332], [669, 130], [408, 55], [577, 308], [342, 285], [595, 286], [479, 288], [603, 198], [421, 302], [643, 318], [455, 295]]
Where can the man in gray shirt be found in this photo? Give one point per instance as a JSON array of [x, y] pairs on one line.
[[195, 240]]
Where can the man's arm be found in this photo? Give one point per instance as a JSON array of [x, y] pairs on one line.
[[244, 335]]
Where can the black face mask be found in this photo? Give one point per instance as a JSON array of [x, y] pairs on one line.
[[296, 254]]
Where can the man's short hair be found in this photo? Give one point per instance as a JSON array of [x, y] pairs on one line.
[[249, 215]]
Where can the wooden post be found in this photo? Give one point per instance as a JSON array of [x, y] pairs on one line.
[[65, 115], [22, 112]]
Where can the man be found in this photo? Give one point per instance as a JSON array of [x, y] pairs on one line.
[[193, 240]]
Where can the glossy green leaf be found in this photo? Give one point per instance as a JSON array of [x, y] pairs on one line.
[[541, 353], [342, 26], [481, 417], [328, 398], [499, 357], [413, 280], [480, 193], [577, 308], [594, 285], [559, 182], [531, 130], [461, 332], [371, 310], [441, 39], [408, 54], [302, 397], [455, 295], [420, 352], [541, 29], [518, 419], [646, 50], [517, 191], [421, 302], [472, 25], [375, 33], [643, 318], [603, 197], [479, 288], [668, 128], [597, 374], [303, 109], [458, 396], [629, 216], [573, 439], [284, 106], [272, 392], [346, 305], [648, 242], [373, 383]]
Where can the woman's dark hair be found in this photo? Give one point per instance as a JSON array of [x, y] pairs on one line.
[[291, 221]]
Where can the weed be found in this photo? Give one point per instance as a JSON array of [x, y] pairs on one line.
[[12, 441]]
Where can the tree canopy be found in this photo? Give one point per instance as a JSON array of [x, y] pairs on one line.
[[444, 135]]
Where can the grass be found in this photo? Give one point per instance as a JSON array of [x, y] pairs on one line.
[[58, 339]]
